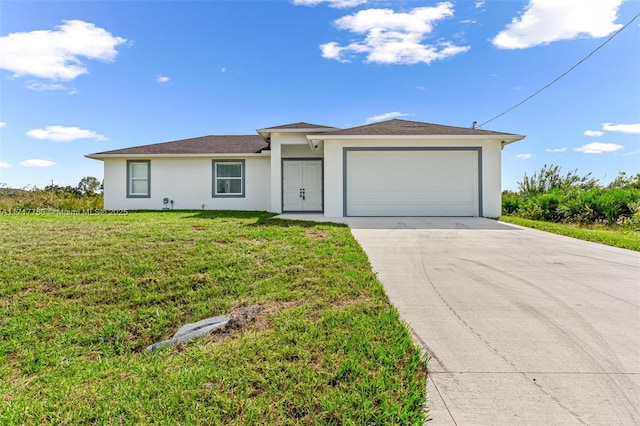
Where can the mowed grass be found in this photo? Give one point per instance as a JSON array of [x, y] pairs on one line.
[[82, 296], [616, 236]]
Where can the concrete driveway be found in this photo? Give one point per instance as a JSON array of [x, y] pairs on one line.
[[523, 327]]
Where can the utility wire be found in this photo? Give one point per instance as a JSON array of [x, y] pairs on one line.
[[563, 74]]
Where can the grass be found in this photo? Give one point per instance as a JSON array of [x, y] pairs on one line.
[[616, 236], [82, 296]]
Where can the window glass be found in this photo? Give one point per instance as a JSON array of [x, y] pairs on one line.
[[229, 186], [229, 170], [139, 187], [139, 170]]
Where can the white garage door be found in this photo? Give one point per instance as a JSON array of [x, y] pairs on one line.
[[412, 183]]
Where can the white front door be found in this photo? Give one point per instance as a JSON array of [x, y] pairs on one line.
[[302, 186]]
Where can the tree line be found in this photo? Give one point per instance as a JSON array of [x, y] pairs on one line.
[[87, 195], [552, 196]]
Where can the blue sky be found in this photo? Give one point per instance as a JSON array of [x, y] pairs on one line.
[[89, 76]]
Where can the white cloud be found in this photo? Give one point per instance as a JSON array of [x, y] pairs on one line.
[[386, 116], [598, 148], [39, 86], [56, 54], [546, 21], [593, 133], [2, 124], [162, 79], [622, 128], [223, 69], [4, 165], [631, 153], [468, 21], [64, 134], [524, 156], [556, 149], [421, 88], [36, 162], [340, 4], [388, 37], [478, 4]]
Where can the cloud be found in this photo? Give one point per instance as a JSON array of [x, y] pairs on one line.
[[223, 69], [622, 128], [524, 156], [478, 4], [598, 148], [2, 124], [36, 162], [4, 165], [546, 21], [385, 116], [56, 54], [339, 4], [593, 133], [631, 153], [469, 21], [387, 37], [64, 134], [556, 149], [38, 86], [162, 79]]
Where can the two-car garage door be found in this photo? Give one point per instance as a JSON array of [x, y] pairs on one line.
[[412, 182]]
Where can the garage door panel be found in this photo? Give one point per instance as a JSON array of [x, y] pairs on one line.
[[412, 183]]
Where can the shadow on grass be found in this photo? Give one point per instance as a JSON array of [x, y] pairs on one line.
[[262, 218], [224, 214]]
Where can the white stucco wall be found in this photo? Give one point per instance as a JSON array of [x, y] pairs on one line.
[[188, 182], [333, 163]]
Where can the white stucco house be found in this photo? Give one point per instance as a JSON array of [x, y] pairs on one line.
[[390, 168]]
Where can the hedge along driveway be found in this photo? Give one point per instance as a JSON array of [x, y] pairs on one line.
[[82, 296]]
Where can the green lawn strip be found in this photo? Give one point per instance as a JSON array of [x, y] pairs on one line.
[[82, 296], [616, 236]]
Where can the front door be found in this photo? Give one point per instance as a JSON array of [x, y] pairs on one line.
[[302, 186]]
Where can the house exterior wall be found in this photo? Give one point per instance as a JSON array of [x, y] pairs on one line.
[[491, 168], [189, 183]]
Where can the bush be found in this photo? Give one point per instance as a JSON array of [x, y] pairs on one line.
[[572, 198], [51, 197], [511, 202], [550, 178]]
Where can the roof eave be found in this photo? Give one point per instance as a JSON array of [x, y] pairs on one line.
[[507, 138], [99, 156]]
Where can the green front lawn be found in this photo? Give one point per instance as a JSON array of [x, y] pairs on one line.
[[82, 296], [616, 236]]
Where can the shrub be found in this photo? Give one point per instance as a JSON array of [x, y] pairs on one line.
[[550, 196], [511, 202], [550, 178], [51, 197]]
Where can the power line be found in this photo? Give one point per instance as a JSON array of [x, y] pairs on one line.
[[563, 74]]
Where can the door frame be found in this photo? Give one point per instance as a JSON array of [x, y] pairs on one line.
[[321, 183]]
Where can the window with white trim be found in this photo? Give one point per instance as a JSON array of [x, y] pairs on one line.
[[228, 178], [138, 178]]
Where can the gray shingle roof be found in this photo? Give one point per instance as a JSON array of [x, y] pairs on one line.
[[406, 127], [250, 144], [299, 125], [230, 144]]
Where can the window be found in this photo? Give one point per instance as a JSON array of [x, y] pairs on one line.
[[228, 178], [138, 178]]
